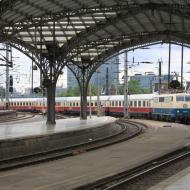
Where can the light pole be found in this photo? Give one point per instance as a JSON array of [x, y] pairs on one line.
[[98, 94], [126, 111], [160, 75], [90, 94]]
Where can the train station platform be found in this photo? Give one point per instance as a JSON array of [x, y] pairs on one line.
[[72, 172], [26, 129], [29, 138]]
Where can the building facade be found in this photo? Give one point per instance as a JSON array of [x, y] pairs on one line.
[[106, 77], [151, 81], [145, 81]]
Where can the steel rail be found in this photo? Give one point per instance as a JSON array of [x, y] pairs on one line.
[[115, 182], [157, 166], [19, 117]]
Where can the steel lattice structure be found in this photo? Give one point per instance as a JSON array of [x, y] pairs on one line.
[[82, 34]]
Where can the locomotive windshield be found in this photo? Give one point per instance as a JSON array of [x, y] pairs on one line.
[[183, 98]]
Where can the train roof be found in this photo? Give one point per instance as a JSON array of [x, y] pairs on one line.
[[93, 98], [26, 99], [164, 95], [132, 97]]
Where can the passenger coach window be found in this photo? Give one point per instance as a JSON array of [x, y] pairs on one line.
[[187, 98], [139, 103], [161, 99], [180, 98], [135, 103], [144, 103]]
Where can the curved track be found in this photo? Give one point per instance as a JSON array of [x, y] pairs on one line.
[[145, 176], [129, 130], [17, 117]]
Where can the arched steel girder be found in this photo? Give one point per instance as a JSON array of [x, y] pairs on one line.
[[6, 5], [22, 46], [134, 38], [119, 39], [65, 14], [142, 42], [28, 50], [82, 76], [25, 48], [81, 38]]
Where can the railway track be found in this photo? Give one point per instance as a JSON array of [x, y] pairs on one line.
[[145, 176], [129, 130], [17, 117]]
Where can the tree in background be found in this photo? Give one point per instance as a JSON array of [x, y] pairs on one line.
[[72, 91], [134, 88], [175, 84], [2, 92], [94, 90]]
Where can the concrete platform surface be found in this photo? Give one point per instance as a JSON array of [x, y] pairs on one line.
[[11, 130], [88, 167]]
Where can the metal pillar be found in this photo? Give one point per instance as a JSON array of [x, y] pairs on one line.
[[41, 55], [7, 77], [98, 94], [90, 100], [51, 102], [107, 81], [50, 82], [169, 64], [117, 78], [83, 97], [32, 78], [182, 53], [126, 103], [160, 75]]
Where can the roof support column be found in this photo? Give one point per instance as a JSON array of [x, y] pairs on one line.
[[83, 76], [51, 103], [83, 97], [83, 83], [49, 82]]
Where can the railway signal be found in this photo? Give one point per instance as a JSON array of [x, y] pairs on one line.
[[11, 84], [37, 90]]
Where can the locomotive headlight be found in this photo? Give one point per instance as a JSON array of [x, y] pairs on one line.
[[177, 111]]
